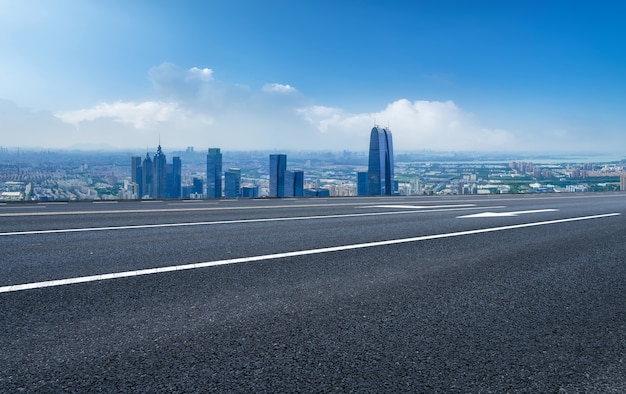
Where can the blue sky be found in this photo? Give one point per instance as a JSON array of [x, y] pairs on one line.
[[537, 76]]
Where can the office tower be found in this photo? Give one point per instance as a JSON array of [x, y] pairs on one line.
[[160, 174], [174, 182], [197, 186], [147, 175], [249, 191], [232, 182], [361, 183], [136, 176], [278, 167], [380, 168], [298, 183], [195, 190], [214, 173], [294, 183]]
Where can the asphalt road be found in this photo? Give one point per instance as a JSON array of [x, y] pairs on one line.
[[448, 294]]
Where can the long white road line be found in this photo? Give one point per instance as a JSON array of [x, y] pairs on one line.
[[186, 224], [126, 274]]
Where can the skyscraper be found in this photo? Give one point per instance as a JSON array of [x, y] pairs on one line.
[[278, 167], [214, 173], [136, 177], [174, 180], [232, 183], [147, 174], [160, 174], [361, 183], [380, 168], [294, 183]]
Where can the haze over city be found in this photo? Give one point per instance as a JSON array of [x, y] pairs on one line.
[[313, 75]]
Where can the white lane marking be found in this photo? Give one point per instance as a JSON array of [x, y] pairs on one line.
[[149, 271], [505, 214], [191, 203], [52, 203], [311, 202], [315, 204], [282, 219], [21, 207], [421, 206], [104, 202]]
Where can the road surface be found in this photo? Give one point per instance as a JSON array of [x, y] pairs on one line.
[[404, 294]]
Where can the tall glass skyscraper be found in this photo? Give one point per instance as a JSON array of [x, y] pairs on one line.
[[278, 168], [160, 174], [294, 183], [214, 173], [147, 175], [232, 183], [380, 168], [361, 183], [174, 179], [136, 176]]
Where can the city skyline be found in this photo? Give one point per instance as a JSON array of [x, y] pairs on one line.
[[454, 76]]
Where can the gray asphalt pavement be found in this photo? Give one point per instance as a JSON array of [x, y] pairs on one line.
[[446, 294]]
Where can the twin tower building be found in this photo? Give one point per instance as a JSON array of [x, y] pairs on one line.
[[155, 178]]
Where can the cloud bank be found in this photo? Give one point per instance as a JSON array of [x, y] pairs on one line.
[[140, 115], [191, 107]]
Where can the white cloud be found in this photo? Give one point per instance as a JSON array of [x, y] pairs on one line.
[[416, 125], [279, 88], [172, 81], [204, 74], [192, 108], [138, 114]]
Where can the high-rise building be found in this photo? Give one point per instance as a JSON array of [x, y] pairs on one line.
[[154, 178], [361, 183], [380, 168], [232, 183], [174, 180], [278, 168], [197, 186], [160, 174], [136, 178], [294, 183], [214, 173], [147, 175], [250, 191]]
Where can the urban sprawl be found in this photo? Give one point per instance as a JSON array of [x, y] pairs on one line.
[[28, 175]]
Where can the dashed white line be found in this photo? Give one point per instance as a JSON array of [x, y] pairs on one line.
[[142, 272]]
